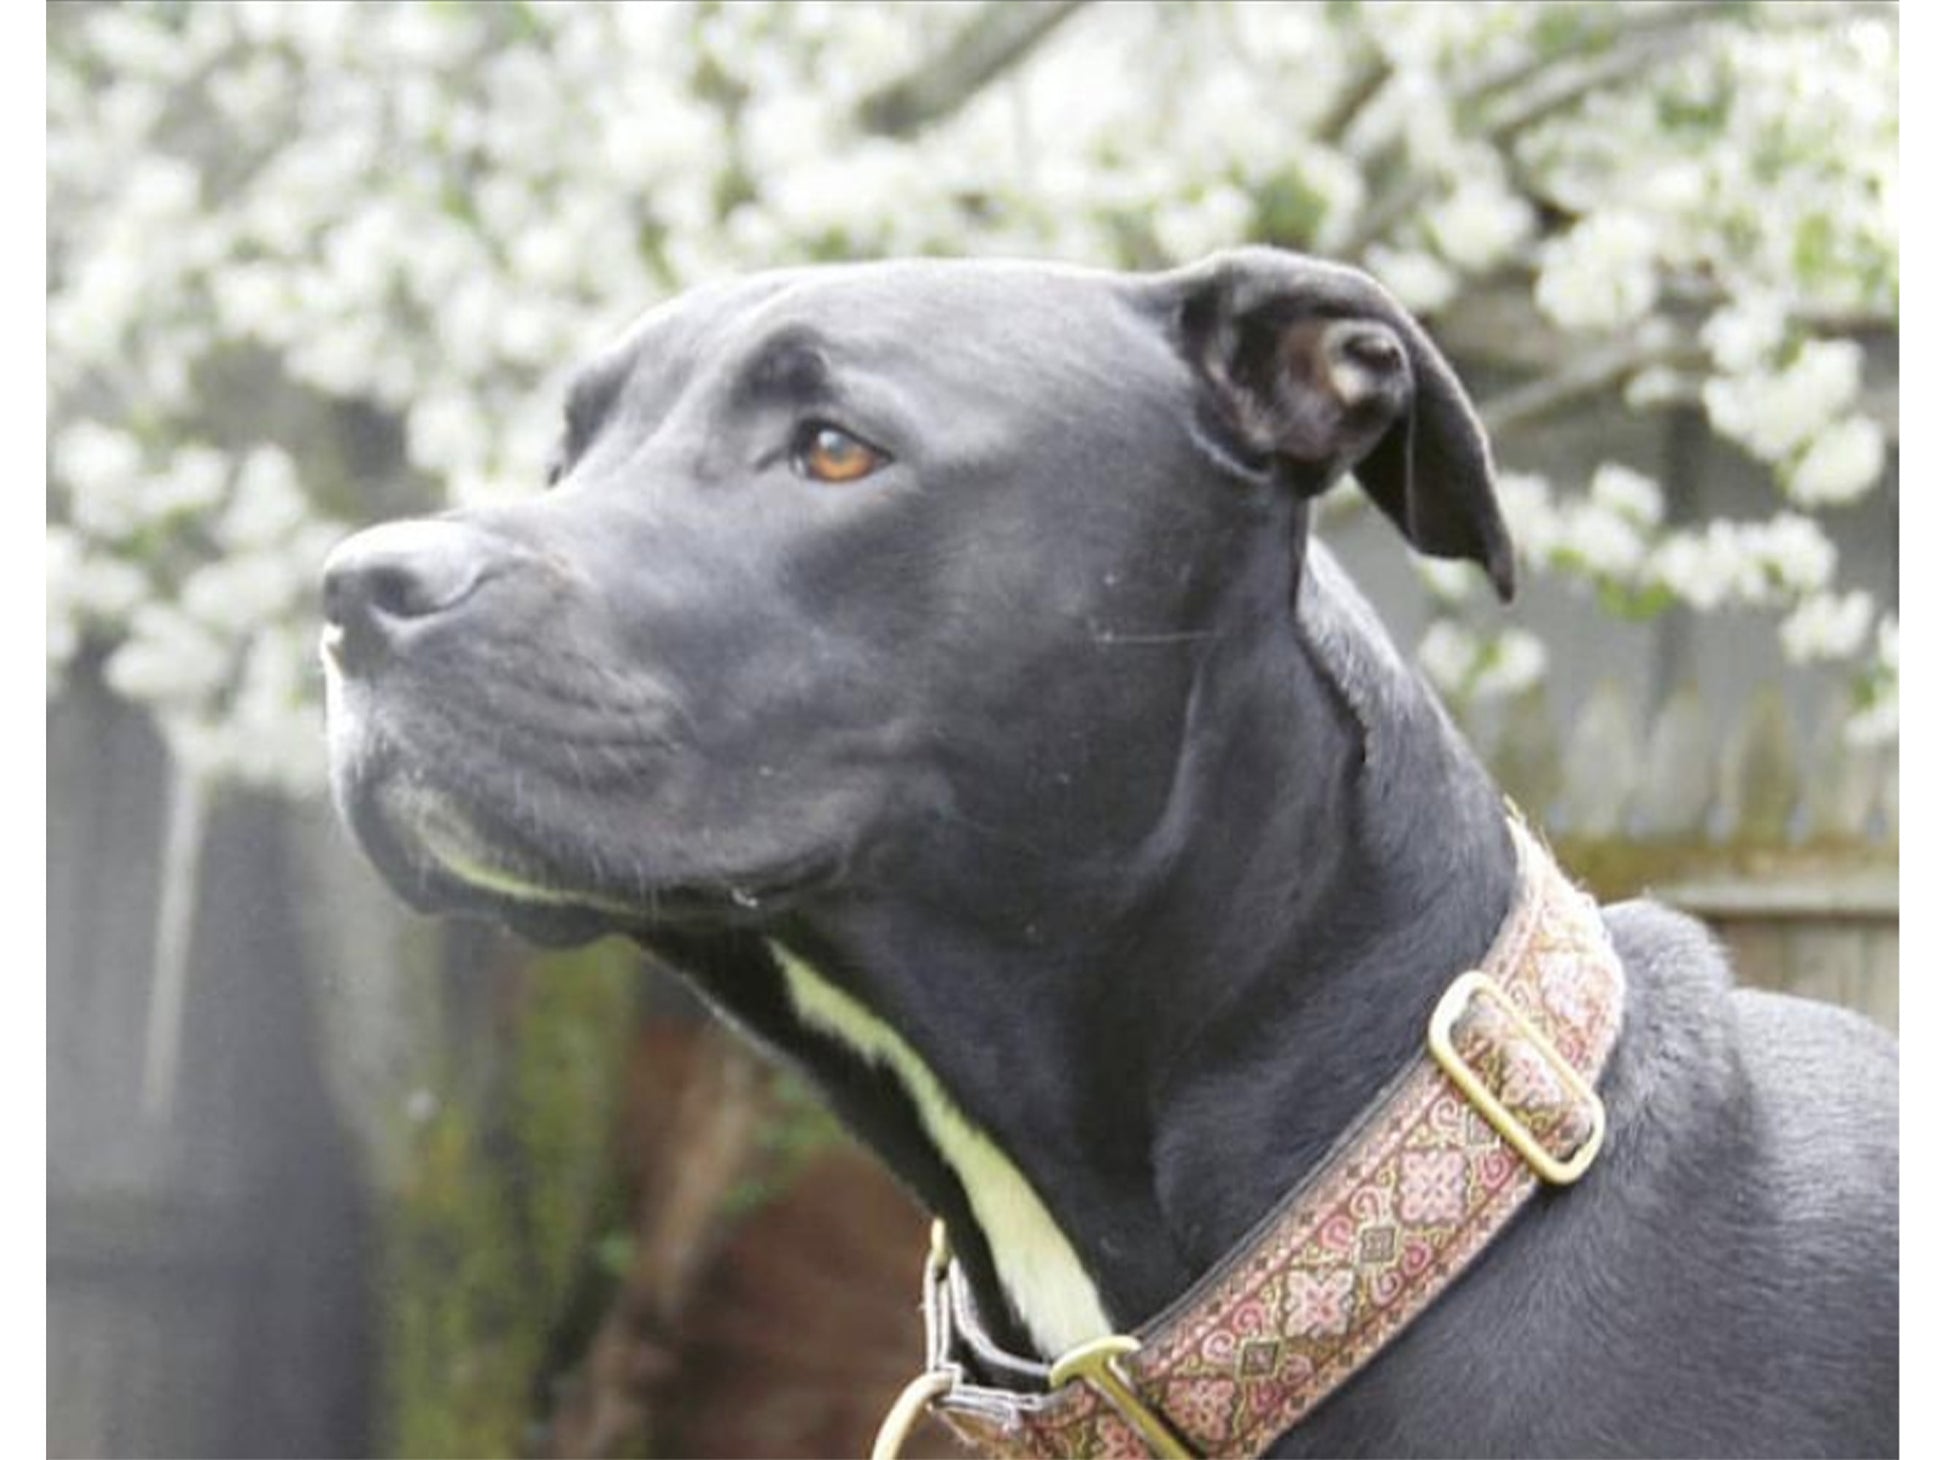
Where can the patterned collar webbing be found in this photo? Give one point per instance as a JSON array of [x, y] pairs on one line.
[[1419, 1186]]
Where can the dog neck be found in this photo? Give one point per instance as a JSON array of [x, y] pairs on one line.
[[1102, 1093]]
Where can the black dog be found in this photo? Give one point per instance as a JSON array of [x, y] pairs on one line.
[[929, 659]]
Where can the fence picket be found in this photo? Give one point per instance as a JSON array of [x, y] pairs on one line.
[[1888, 796], [1525, 755], [1761, 769], [1843, 779], [1678, 782], [1603, 763]]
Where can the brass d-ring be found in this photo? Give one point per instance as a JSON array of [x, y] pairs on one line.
[[896, 1428]]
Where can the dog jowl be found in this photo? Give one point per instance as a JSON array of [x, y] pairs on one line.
[[930, 660]]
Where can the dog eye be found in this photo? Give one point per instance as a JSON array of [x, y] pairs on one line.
[[827, 453]]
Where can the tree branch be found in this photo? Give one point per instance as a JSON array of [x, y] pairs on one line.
[[1624, 23], [1000, 36], [1365, 84], [1641, 38], [1556, 91], [1589, 374]]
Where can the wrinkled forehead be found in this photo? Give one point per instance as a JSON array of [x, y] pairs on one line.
[[1037, 326]]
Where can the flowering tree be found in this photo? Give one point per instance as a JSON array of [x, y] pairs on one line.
[[312, 263]]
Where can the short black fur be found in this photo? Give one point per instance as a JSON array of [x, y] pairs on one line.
[[1056, 744]]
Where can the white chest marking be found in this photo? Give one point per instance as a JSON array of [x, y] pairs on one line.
[[1037, 1266]]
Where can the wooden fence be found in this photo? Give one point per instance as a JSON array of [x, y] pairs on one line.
[[1785, 843], [206, 1266]]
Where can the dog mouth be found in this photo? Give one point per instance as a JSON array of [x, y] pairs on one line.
[[447, 847], [432, 829], [443, 858]]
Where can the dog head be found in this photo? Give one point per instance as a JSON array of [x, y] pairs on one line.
[[841, 562]]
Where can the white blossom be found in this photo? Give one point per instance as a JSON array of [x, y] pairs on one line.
[[1422, 283], [63, 556], [244, 591], [195, 480], [1796, 552], [1745, 332], [1703, 569], [1432, 134], [1464, 666], [104, 588], [1515, 661], [94, 456], [272, 727], [199, 740], [1827, 626], [1448, 579], [1600, 540], [1878, 723], [446, 432], [1743, 564], [786, 130], [422, 212], [1189, 229], [1842, 464], [63, 642], [1533, 520], [1601, 275], [268, 504], [1627, 493], [102, 469], [168, 658], [250, 95], [1337, 185], [1448, 654], [132, 43], [1653, 388], [340, 357], [1773, 413], [545, 254], [1480, 223]]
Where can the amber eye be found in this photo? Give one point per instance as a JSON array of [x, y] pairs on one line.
[[828, 454]]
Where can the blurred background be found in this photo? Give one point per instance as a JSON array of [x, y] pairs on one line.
[[328, 1179]]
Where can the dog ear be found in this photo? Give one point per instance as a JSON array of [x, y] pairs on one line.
[[1316, 366]]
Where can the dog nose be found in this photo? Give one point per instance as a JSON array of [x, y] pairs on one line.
[[385, 580]]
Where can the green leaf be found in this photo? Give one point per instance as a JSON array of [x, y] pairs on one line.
[[1814, 251], [1289, 210]]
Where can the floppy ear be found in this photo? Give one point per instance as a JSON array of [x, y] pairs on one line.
[[1315, 366]]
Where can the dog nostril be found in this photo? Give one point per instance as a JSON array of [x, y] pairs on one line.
[[384, 579], [405, 592]]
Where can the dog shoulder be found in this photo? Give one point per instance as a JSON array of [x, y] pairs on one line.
[[1687, 998], [1775, 1116]]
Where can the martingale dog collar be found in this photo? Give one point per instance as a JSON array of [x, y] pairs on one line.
[[1502, 1101]]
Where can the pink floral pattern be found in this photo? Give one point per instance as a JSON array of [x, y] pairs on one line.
[[1320, 1302], [1365, 1244], [1530, 1082], [1432, 1186]]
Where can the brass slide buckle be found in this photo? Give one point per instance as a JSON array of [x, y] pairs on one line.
[[1098, 1362], [1439, 1038]]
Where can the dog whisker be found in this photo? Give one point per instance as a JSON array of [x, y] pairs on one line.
[[1112, 638]]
